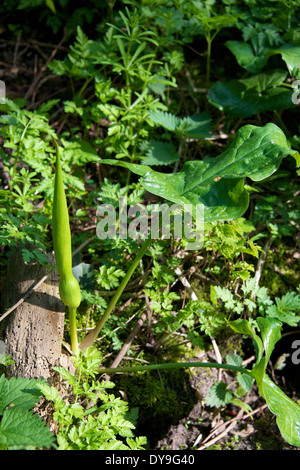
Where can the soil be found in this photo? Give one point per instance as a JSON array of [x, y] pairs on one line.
[[229, 428]]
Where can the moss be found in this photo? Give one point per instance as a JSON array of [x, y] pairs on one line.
[[281, 271], [163, 398]]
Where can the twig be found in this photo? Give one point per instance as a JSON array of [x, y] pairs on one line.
[[43, 69], [129, 340], [231, 424], [262, 259], [186, 284]]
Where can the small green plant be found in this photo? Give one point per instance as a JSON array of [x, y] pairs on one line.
[[92, 418]]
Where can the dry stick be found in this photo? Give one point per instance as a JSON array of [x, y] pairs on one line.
[[129, 340], [186, 283], [44, 68], [33, 288], [262, 259], [206, 443]]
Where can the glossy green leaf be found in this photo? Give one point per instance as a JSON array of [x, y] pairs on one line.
[[287, 412], [218, 184], [291, 56], [270, 330], [249, 60], [243, 327], [246, 97], [246, 57]]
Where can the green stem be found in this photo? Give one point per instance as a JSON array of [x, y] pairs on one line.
[[175, 365], [208, 55], [91, 337], [73, 331]]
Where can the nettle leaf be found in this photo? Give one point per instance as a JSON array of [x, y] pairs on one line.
[[21, 392], [160, 153], [218, 395], [218, 184], [20, 428], [196, 126], [245, 97]]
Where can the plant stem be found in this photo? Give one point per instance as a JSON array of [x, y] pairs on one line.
[[73, 332], [90, 338], [175, 365], [208, 56]]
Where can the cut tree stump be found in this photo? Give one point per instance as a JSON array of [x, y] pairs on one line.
[[33, 332]]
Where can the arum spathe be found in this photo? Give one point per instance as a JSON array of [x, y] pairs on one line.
[[69, 289]]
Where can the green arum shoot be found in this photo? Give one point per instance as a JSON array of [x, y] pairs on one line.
[[69, 289]]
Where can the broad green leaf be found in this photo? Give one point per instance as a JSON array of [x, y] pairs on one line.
[[243, 327], [291, 56], [270, 330], [218, 184], [287, 412], [246, 57], [246, 97]]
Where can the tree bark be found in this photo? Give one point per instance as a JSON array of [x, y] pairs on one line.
[[33, 332]]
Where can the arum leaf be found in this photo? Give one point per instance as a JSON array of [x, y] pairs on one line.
[[218, 184], [246, 57], [253, 95], [291, 56], [287, 412], [270, 330]]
